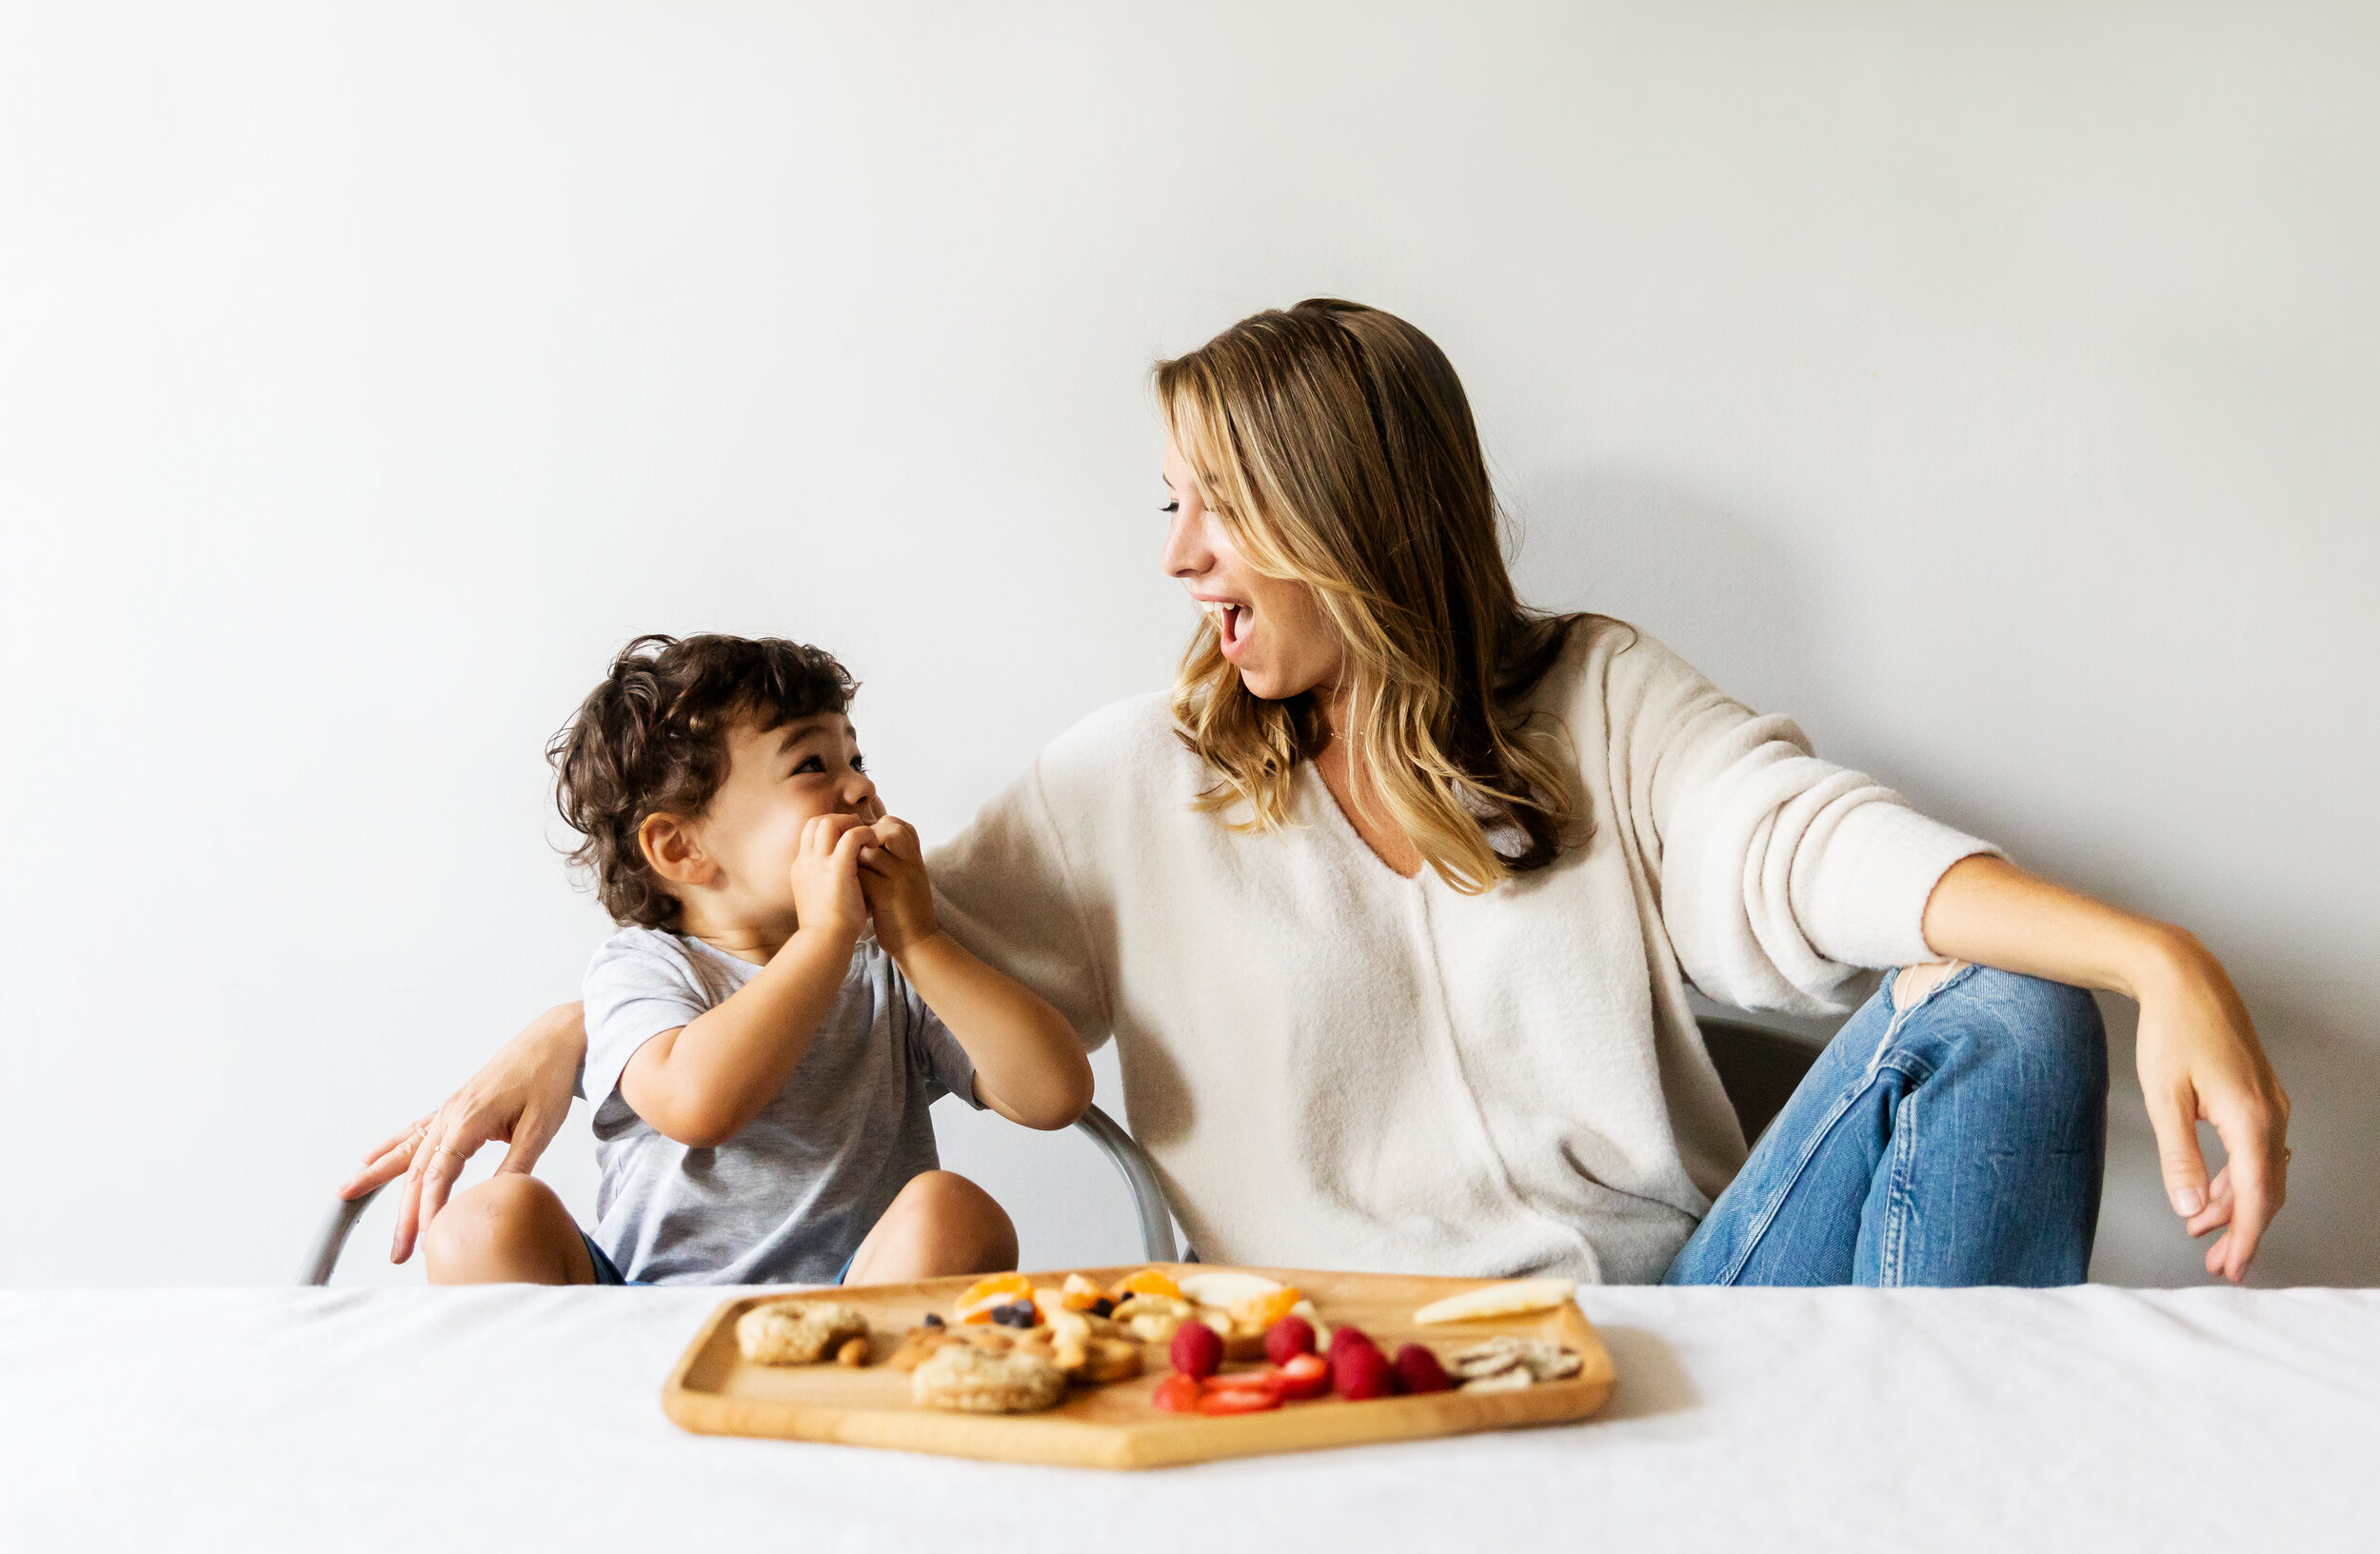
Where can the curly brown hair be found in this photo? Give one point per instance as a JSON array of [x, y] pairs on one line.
[[652, 738]]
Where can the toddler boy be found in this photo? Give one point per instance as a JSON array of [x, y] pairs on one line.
[[760, 1066]]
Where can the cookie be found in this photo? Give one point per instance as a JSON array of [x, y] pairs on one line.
[[978, 1381], [796, 1332]]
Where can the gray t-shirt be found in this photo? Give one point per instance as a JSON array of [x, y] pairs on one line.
[[789, 1197]]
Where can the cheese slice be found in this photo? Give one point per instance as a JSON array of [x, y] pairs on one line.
[[1512, 1298]]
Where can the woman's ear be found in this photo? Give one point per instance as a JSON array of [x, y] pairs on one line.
[[673, 850]]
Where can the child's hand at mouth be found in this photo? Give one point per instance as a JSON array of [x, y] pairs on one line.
[[826, 893], [893, 878]]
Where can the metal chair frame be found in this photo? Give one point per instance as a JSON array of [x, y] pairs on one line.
[[1148, 1201]]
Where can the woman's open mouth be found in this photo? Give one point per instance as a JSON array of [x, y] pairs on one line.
[[1231, 624]]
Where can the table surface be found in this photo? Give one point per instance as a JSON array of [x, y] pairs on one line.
[[1770, 1420]]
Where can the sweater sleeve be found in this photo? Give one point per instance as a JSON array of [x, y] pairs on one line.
[[1779, 875], [1004, 888]]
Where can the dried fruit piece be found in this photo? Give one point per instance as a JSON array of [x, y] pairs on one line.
[[1079, 1294], [853, 1353], [1179, 1394], [1361, 1371], [1305, 1376], [1018, 1314], [1418, 1369], [1197, 1349], [1288, 1337], [917, 1344]]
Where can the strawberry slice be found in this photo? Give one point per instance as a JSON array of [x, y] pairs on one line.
[[1267, 1382], [1238, 1400], [1305, 1376], [1179, 1394]]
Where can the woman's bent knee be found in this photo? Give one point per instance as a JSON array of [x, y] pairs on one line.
[[2049, 1033]]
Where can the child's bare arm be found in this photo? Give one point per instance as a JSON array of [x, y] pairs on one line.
[[703, 1081], [1029, 1065]]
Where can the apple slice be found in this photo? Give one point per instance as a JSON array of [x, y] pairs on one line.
[[1512, 1298]]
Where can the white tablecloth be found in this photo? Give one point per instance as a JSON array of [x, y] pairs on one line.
[[511, 1418]]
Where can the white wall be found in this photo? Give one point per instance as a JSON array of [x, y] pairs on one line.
[[1994, 386]]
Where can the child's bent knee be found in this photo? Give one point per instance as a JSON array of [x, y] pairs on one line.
[[488, 1226], [962, 1218]]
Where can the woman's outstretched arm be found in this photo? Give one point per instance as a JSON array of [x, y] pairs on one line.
[[520, 1097], [2199, 1058]]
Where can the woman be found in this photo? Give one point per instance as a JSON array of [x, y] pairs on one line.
[[1392, 907]]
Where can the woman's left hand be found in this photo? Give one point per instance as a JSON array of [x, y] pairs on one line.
[[2199, 1060]]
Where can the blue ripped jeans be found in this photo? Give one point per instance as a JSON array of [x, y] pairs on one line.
[[1958, 1142]]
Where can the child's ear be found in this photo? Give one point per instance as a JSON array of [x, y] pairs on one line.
[[674, 851]]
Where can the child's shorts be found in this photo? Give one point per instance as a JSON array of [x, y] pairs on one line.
[[608, 1272]]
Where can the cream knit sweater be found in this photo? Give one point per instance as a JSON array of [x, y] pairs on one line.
[[1336, 1067]]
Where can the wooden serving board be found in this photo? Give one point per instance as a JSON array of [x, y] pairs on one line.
[[714, 1391]]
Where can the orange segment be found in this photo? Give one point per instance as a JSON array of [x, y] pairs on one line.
[[1258, 1312], [1152, 1281], [998, 1283], [1079, 1294]]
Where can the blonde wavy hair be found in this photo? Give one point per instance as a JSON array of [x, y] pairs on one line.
[[1336, 446]]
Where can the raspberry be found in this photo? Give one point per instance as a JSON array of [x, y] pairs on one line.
[[1287, 1339], [1197, 1349], [1418, 1369], [1347, 1338], [1179, 1394], [1305, 1376], [1361, 1370]]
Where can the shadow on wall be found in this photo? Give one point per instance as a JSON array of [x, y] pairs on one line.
[[1719, 585], [1729, 593]]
